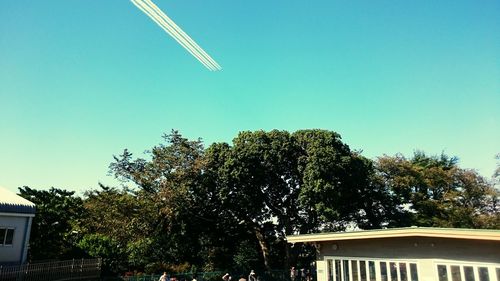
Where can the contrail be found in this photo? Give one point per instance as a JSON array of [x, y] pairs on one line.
[[182, 38], [182, 33], [154, 16]]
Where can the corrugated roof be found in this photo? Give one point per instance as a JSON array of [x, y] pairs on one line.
[[13, 203], [457, 233]]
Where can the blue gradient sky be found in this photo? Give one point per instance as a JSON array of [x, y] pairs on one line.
[[80, 80]]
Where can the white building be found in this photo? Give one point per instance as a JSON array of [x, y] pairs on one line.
[[16, 215], [406, 254]]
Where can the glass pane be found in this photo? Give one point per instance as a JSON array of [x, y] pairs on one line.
[[354, 269], [394, 271], [442, 273], [337, 270], [483, 274], [9, 237], [402, 271], [362, 270], [2, 235], [383, 271], [498, 273], [345, 270], [371, 269], [455, 273], [469, 273], [330, 270], [413, 272]]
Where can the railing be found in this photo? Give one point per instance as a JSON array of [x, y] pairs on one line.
[[274, 275], [185, 276], [81, 269]]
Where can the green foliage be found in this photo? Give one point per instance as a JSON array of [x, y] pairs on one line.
[[105, 247], [246, 257], [97, 245], [58, 214], [434, 191], [139, 252], [186, 208], [128, 218], [276, 183]]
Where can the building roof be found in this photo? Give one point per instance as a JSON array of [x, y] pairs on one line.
[[13, 203], [456, 233]]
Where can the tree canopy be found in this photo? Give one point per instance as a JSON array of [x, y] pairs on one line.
[[182, 206]]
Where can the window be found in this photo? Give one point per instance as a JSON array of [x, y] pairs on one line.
[[469, 273], [442, 273], [362, 270], [402, 270], [394, 271], [383, 271], [466, 272], [455, 273], [355, 269], [414, 272], [483, 274], [371, 270], [6, 236]]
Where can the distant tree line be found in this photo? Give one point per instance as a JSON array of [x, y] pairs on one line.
[[230, 206]]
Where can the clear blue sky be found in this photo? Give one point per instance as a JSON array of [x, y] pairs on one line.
[[81, 80]]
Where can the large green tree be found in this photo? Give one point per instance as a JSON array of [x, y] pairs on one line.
[[435, 191], [171, 178], [125, 219], [276, 184], [58, 214]]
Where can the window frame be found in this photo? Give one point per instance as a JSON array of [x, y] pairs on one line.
[[462, 264], [376, 261], [3, 239]]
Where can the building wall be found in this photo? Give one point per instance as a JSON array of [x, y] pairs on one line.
[[13, 254], [411, 248], [424, 251]]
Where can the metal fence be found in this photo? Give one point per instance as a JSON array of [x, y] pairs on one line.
[[81, 269], [274, 275], [184, 276]]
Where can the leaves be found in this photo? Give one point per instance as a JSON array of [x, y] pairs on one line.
[[434, 191], [58, 215], [232, 205]]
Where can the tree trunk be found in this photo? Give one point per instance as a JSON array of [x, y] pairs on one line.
[[263, 247], [288, 231]]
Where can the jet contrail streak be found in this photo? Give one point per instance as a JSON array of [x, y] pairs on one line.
[[144, 8], [182, 33], [182, 38]]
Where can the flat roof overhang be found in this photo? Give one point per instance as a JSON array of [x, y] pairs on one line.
[[454, 233]]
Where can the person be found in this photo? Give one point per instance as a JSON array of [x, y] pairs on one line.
[[163, 277], [308, 275], [303, 274], [293, 273], [226, 277], [242, 278], [252, 276]]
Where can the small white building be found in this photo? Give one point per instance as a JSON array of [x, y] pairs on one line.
[[16, 215], [406, 254]]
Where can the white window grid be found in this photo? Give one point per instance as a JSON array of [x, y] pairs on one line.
[[492, 269], [366, 261]]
